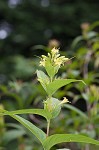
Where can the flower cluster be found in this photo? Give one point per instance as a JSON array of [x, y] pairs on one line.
[[54, 57]]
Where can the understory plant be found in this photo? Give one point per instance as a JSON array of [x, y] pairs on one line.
[[52, 106]]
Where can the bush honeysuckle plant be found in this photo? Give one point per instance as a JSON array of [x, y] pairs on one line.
[[52, 106]]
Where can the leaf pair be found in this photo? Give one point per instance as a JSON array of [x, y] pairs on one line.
[[52, 87], [47, 142]]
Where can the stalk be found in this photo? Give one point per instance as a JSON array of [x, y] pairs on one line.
[[48, 126]]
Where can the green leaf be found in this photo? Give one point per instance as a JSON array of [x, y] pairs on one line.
[[49, 68], [15, 126], [83, 115], [60, 138], [42, 78], [93, 25], [35, 130], [12, 135], [3, 112], [76, 41], [52, 87], [12, 95], [40, 112]]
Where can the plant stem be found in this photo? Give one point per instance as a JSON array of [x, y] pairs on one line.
[[51, 79], [48, 126]]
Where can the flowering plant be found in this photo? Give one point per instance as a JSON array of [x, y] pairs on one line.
[[52, 106]]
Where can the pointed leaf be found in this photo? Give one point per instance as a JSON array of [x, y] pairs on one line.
[[60, 138], [49, 68], [52, 87], [40, 112], [42, 78], [35, 130]]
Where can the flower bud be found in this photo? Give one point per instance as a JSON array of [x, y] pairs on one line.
[[52, 105]]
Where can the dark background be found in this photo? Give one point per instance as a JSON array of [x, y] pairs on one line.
[[25, 23]]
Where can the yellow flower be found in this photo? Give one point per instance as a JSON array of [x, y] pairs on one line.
[[43, 60], [60, 60], [54, 51], [42, 63], [54, 57], [65, 100]]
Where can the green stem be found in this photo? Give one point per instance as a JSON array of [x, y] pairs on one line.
[[48, 126], [51, 79]]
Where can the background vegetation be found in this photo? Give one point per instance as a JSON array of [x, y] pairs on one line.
[[27, 30]]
